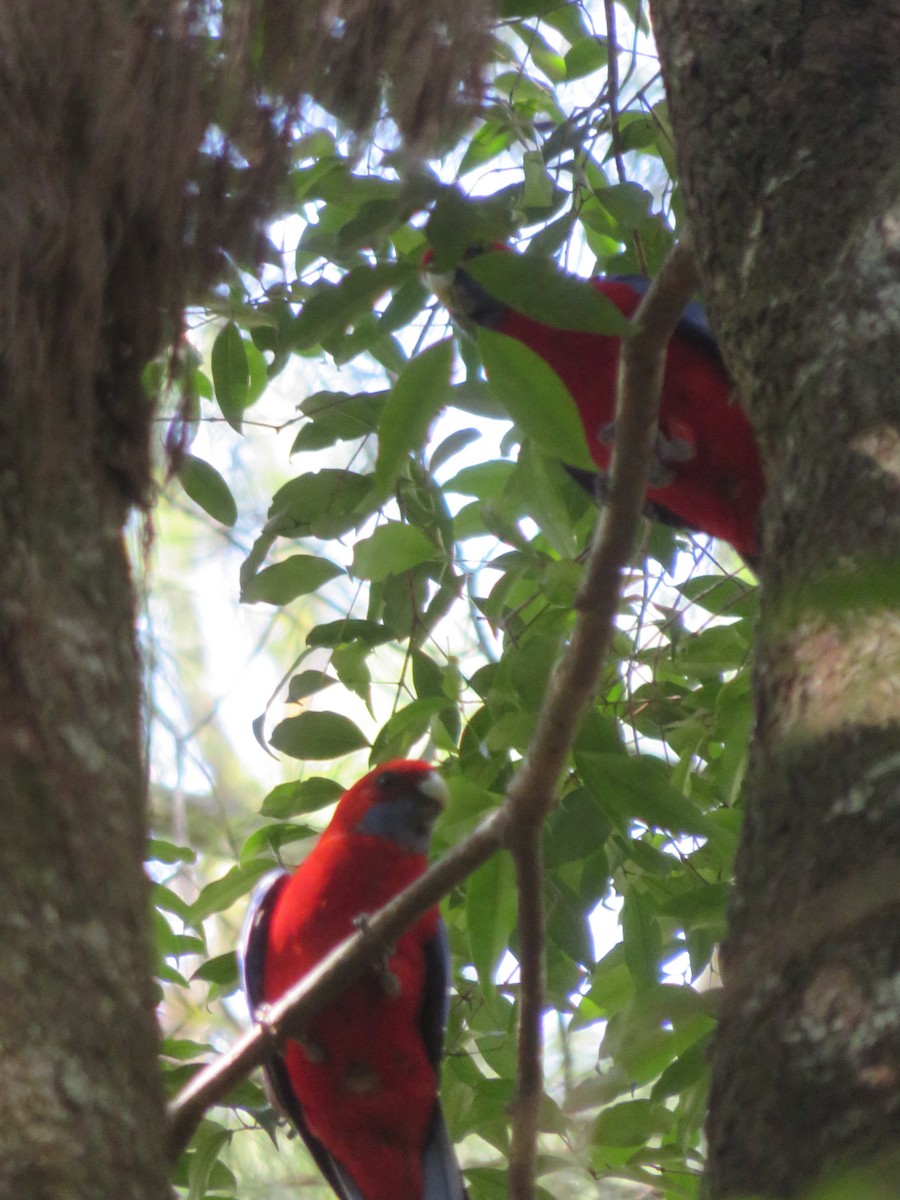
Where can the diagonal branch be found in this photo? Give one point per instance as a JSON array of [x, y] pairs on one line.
[[532, 791], [518, 822]]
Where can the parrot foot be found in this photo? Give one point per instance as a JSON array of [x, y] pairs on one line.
[[262, 1017], [666, 453], [389, 980]]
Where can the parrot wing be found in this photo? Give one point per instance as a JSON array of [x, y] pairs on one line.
[[693, 325], [440, 1171], [252, 961]]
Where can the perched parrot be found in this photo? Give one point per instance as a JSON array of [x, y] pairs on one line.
[[361, 1083], [706, 475]]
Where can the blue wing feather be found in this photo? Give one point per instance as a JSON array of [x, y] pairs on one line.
[[693, 325], [441, 1177]]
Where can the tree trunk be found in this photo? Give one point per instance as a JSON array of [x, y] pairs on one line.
[[81, 1111], [787, 129], [96, 132]]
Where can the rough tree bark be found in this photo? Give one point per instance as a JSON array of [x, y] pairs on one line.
[[91, 97], [113, 211], [787, 127]]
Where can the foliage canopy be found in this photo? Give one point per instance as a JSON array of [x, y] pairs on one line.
[[421, 556]]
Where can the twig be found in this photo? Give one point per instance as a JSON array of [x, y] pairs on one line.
[[612, 92], [612, 87], [532, 791]]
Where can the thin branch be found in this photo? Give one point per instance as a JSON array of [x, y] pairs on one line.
[[612, 92], [612, 87], [292, 1013], [532, 791]]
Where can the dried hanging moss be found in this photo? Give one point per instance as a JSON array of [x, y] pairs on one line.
[[425, 58], [144, 143]]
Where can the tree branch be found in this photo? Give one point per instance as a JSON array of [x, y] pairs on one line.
[[532, 791]]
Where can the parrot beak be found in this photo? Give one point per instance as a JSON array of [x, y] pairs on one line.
[[435, 793], [470, 305], [439, 282]]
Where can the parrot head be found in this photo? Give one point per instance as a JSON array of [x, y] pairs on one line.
[[465, 299], [400, 800]]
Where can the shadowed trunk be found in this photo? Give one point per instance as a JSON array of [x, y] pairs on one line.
[[787, 126], [92, 198]]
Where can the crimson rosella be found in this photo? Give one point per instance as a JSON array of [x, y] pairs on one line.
[[361, 1083], [706, 474]]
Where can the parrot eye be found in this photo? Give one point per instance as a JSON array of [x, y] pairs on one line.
[[387, 779]]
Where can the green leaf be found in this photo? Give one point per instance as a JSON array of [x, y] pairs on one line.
[[485, 480], [637, 788], [350, 629], [322, 503], [428, 675], [421, 390], [451, 446], [351, 665], [222, 893], [167, 852], [406, 726], [272, 838], [642, 937], [576, 828], [206, 487], [301, 796], [163, 897], [691, 1065], [490, 914], [206, 1146], [587, 55], [535, 287], [333, 307], [318, 735], [535, 397], [222, 970], [392, 549], [538, 191], [657, 1025], [631, 1123], [307, 683], [183, 1049], [231, 374], [284, 581], [336, 417]]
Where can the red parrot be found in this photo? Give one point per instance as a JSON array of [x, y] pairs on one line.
[[361, 1084], [706, 475]]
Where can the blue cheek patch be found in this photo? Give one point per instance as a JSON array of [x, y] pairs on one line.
[[404, 821]]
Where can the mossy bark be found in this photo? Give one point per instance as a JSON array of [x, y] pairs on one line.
[[787, 128], [92, 195]]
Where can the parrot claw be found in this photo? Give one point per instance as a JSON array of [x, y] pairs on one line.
[[667, 452], [262, 1016], [389, 980]]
